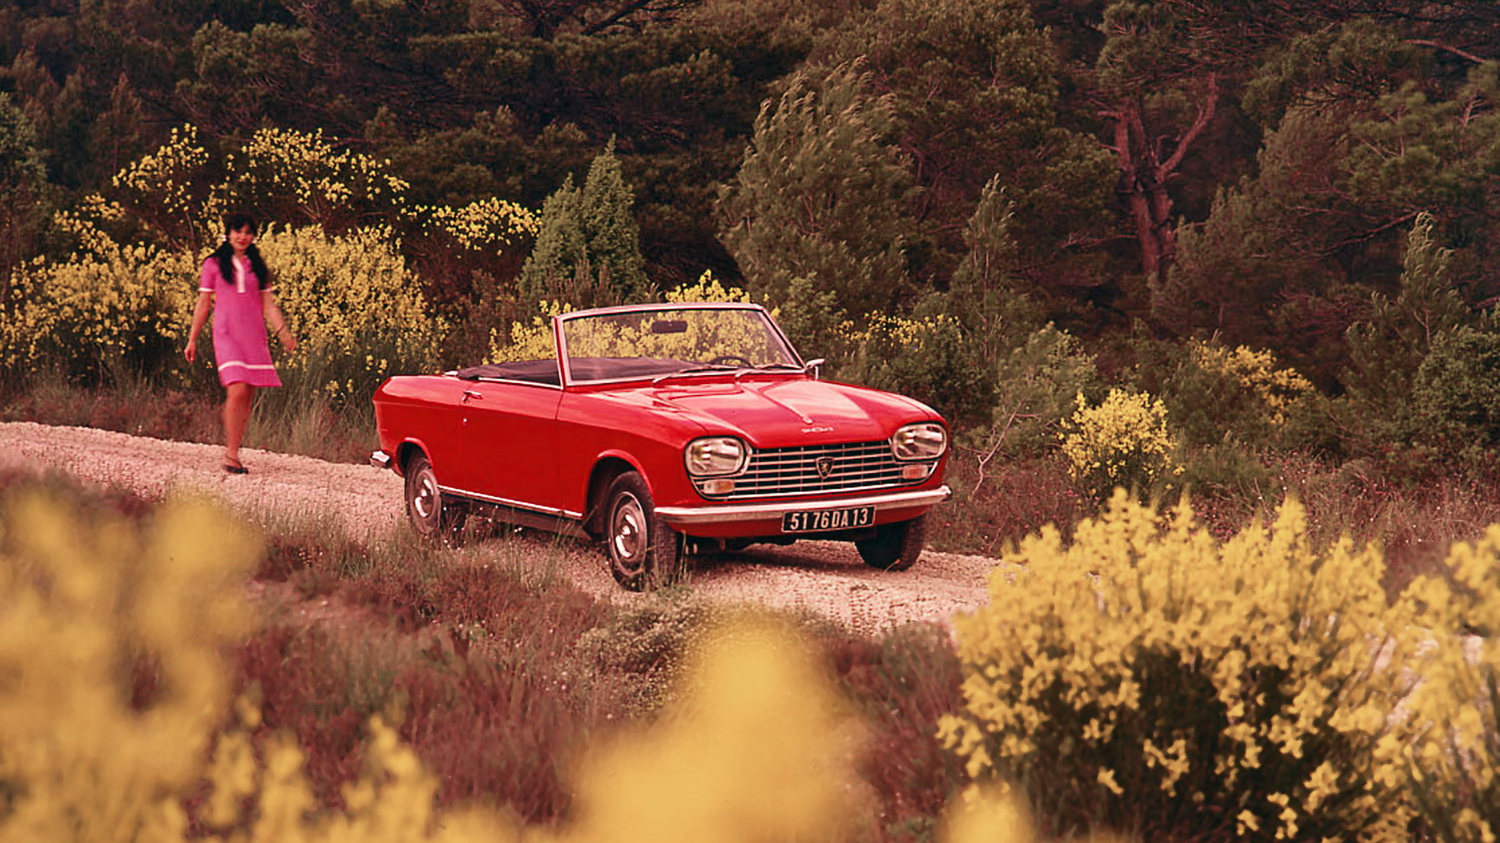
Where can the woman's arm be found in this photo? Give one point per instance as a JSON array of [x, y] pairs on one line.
[[200, 316], [277, 321]]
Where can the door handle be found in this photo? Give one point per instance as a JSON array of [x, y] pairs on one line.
[[471, 394]]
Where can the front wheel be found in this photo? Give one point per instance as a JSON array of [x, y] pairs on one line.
[[644, 553], [895, 547], [435, 519]]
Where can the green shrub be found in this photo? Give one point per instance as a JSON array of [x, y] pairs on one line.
[[1457, 397], [1216, 394], [1227, 470], [1035, 388], [1148, 678], [930, 359]]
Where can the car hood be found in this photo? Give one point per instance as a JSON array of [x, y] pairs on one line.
[[780, 413]]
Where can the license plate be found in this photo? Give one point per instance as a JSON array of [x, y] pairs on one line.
[[824, 520]]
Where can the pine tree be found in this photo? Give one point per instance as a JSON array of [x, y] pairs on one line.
[[986, 290], [613, 240], [23, 190], [821, 195], [587, 252], [560, 246], [1386, 350]]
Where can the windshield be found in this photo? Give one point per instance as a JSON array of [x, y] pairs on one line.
[[654, 343]]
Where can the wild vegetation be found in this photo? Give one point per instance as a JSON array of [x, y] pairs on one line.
[[1238, 258], [1144, 679]]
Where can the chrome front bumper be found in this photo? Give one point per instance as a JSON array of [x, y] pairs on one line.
[[683, 516], [380, 459]]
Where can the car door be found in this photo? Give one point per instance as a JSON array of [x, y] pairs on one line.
[[509, 435]]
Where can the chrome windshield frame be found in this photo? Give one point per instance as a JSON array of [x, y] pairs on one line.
[[564, 358]]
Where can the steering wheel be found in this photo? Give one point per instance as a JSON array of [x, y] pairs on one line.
[[730, 358]]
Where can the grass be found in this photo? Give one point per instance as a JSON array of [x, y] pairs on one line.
[[281, 421], [499, 673], [498, 678]]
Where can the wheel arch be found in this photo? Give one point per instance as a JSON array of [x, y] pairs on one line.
[[405, 451], [605, 470]]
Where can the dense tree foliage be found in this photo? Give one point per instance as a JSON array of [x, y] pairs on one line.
[[1165, 168], [821, 197]]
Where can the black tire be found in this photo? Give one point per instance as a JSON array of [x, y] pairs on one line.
[[434, 516], [644, 553], [895, 547]]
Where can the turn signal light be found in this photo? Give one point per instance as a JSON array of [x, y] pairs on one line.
[[916, 472], [718, 487]]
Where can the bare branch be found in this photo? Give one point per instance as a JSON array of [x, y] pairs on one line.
[[1372, 233], [1463, 54], [1200, 123]]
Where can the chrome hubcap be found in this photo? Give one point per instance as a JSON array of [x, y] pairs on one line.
[[426, 501], [627, 532]]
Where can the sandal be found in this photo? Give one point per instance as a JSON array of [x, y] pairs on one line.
[[235, 467]]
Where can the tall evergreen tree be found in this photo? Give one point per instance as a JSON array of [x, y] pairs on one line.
[[560, 248], [1386, 350], [23, 189], [821, 195], [588, 252], [975, 93], [606, 220], [987, 289]]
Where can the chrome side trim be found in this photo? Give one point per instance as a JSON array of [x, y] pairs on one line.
[[529, 507], [380, 459], [515, 382], [689, 515]]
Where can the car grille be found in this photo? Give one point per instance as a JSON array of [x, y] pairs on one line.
[[851, 466]]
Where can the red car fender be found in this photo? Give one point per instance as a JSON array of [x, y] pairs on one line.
[[402, 449]]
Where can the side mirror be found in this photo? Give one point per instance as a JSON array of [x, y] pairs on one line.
[[811, 366]]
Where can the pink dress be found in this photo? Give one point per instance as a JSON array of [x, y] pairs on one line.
[[240, 346]]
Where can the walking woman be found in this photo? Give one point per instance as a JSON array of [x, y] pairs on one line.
[[237, 285]]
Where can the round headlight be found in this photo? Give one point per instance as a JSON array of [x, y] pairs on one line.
[[715, 455], [924, 441]]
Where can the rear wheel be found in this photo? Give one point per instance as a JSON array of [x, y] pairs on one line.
[[895, 547], [644, 553], [435, 517]]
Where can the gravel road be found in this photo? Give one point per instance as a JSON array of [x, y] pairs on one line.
[[824, 577]]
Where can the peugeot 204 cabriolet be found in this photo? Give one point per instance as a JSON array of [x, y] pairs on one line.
[[665, 429]]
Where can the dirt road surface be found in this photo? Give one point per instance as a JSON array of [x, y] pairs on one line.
[[824, 577]]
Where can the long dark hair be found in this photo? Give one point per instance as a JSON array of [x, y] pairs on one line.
[[225, 252]]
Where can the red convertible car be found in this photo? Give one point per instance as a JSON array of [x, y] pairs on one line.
[[661, 429]]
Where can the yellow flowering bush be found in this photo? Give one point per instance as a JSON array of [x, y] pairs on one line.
[[357, 312], [302, 171], [166, 184], [1217, 394], [490, 225], [88, 602], [1149, 677], [710, 289], [1448, 745], [1253, 371], [350, 295], [112, 302], [1123, 442]]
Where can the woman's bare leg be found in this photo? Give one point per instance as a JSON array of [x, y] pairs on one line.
[[236, 417]]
